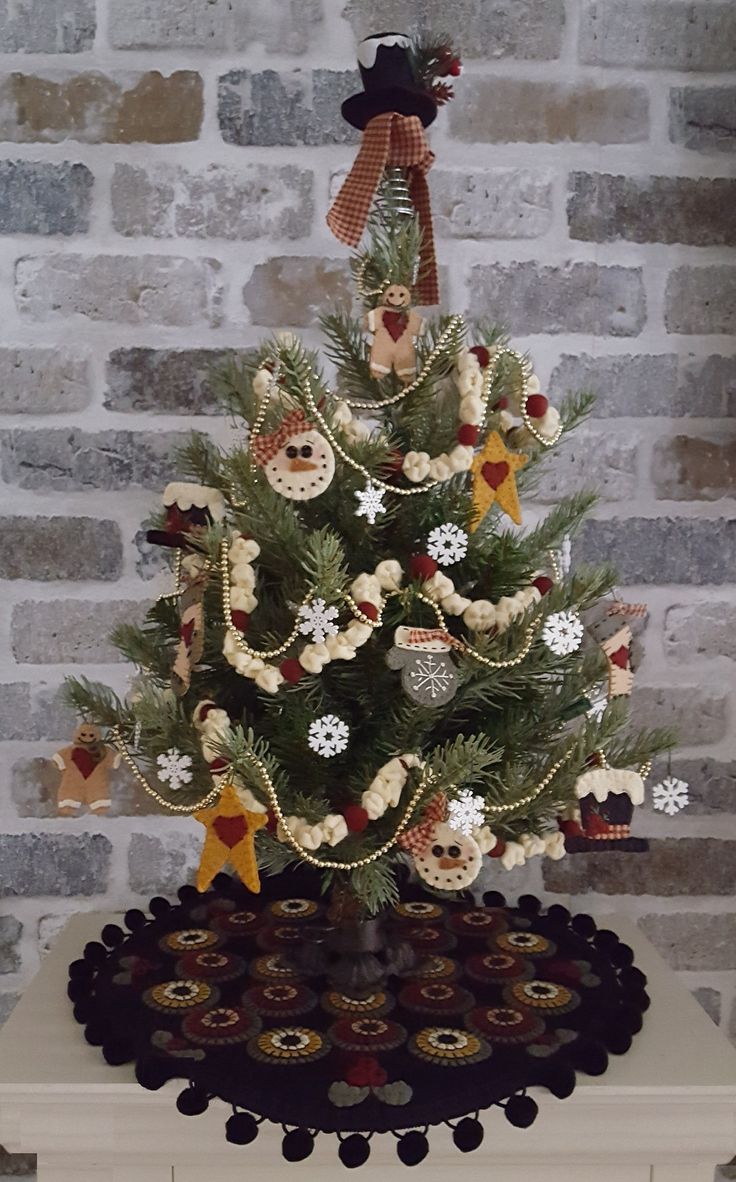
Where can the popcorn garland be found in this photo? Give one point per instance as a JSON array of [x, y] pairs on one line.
[[239, 601]]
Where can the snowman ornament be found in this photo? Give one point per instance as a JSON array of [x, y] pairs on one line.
[[445, 858], [296, 459]]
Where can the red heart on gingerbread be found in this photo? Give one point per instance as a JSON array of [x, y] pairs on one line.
[[495, 474]]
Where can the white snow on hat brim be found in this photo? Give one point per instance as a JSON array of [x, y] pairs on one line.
[[368, 48], [601, 782], [187, 495]]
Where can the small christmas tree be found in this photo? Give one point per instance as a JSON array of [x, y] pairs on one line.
[[364, 659]]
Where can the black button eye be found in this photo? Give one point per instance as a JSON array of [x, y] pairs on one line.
[[438, 851], [306, 451], [292, 452], [454, 851]]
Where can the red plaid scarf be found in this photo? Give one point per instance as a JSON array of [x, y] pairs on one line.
[[264, 447], [418, 839], [393, 141]]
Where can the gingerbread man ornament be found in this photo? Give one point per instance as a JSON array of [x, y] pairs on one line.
[[85, 771], [395, 326]]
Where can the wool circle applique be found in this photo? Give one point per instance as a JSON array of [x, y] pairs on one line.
[[436, 997], [180, 995], [542, 995], [238, 923], [212, 965], [448, 1047], [368, 1033], [502, 1024], [273, 967], [483, 922], [294, 909], [497, 967], [525, 944], [288, 1045], [419, 910], [189, 938], [371, 1003], [436, 968], [282, 1000], [221, 1026]]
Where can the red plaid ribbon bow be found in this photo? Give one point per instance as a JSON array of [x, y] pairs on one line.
[[264, 447], [417, 839], [394, 141]]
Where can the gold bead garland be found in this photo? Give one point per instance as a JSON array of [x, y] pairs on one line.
[[524, 375], [464, 647], [496, 809], [117, 738], [266, 654]]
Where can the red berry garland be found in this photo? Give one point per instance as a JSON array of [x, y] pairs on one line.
[[422, 567], [292, 670], [543, 584], [536, 406], [356, 818]]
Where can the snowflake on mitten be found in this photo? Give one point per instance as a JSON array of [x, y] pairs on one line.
[[317, 620], [447, 544], [173, 768]]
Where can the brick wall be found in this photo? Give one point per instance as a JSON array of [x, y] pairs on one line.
[[164, 175]]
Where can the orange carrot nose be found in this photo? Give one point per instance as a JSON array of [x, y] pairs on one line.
[[298, 465], [449, 863]]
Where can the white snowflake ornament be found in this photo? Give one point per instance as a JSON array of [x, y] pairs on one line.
[[670, 796], [465, 812], [447, 544], [174, 769], [328, 735], [598, 702], [370, 502], [317, 620], [563, 632]]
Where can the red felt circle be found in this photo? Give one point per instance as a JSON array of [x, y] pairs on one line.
[[536, 406], [422, 566], [478, 351], [292, 670], [356, 818], [468, 434], [543, 584], [241, 620], [498, 848], [501, 404], [218, 765], [368, 609]]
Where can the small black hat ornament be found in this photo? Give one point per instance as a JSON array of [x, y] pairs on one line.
[[389, 84]]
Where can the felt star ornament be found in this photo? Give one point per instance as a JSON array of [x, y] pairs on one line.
[[231, 830], [494, 479]]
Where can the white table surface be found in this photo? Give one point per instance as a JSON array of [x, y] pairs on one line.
[[664, 1112]]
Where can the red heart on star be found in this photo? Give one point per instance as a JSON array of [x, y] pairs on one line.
[[230, 830], [495, 474]]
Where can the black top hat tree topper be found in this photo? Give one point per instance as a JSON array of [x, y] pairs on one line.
[[404, 82]]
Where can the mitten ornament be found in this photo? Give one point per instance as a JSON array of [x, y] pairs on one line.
[[395, 327], [607, 799], [428, 674], [297, 461], [85, 772]]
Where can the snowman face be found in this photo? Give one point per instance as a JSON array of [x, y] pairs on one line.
[[451, 860], [303, 467]]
